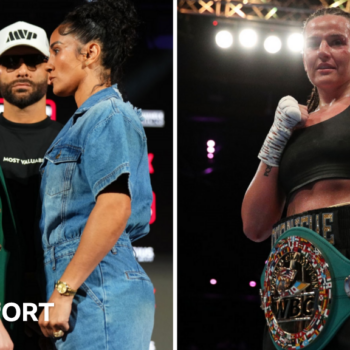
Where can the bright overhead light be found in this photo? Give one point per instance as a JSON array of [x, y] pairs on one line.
[[295, 42], [210, 149], [211, 143], [272, 44], [224, 39], [248, 37]]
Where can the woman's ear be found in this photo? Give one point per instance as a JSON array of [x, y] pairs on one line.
[[92, 52]]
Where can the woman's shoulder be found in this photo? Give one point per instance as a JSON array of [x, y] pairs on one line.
[[112, 112], [323, 115]]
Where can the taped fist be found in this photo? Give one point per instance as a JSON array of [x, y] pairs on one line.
[[287, 117]]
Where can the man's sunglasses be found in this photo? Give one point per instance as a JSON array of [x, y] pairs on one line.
[[12, 62]]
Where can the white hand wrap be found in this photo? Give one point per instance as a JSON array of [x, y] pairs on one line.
[[286, 117]]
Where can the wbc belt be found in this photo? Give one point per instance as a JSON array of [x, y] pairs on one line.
[[305, 291]]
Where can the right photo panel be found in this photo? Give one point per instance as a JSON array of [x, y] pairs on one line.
[[263, 175]]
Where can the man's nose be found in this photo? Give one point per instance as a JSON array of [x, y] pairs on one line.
[[22, 69]]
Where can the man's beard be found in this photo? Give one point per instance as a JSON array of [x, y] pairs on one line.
[[19, 99]]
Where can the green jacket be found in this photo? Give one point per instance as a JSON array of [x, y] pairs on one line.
[[11, 265]]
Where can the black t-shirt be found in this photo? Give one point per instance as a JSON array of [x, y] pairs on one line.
[[22, 148]]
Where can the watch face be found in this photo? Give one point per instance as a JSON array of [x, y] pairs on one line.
[[62, 288]]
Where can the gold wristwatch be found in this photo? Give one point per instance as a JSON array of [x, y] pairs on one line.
[[64, 289]]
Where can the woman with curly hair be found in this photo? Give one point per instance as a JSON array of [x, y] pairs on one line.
[[96, 193]]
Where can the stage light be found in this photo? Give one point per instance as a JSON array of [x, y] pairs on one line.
[[295, 42], [211, 143], [213, 281], [248, 37], [224, 39], [252, 284], [272, 44], [208, 171], [211, 149]]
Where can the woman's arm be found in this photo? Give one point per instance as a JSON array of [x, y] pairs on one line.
[[262, 204], [264, 200], [5, 340], [105, 224]]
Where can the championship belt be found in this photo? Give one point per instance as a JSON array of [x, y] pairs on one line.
[[305, 291]]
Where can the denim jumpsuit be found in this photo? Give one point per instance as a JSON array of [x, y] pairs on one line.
[[114, 307]]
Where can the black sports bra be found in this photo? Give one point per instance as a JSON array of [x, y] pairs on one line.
[[320, 151]]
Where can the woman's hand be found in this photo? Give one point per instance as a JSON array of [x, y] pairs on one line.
[[5, 340], [58, 315], [287, 116], [304, 117]]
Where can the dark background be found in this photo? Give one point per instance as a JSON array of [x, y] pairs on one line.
[[229, 96]]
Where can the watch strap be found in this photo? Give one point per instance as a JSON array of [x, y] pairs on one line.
[[69, 291]]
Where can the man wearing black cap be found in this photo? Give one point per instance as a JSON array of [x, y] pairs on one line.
[[25, 134]]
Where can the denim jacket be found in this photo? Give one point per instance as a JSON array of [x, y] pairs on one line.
[[103, 139]]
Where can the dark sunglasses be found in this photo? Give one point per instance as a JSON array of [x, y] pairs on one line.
[[12, 62]]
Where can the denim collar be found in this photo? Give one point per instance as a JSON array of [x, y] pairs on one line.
[[99, 96]]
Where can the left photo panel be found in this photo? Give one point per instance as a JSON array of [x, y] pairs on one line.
[[86, 175]]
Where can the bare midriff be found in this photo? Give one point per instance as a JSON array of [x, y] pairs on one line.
[[319, 194]]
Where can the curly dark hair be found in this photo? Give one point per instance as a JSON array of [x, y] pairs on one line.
[[112, 23], [314, 100]]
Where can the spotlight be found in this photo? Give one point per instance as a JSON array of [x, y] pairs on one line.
[[211, 143], [210, 149], [252, 284], [224, 39], [248, 37], [272, 44], [213, 281], [295, 42]]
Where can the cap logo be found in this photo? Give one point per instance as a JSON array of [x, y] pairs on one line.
[[21, 34]]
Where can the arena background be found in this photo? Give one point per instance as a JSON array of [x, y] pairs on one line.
[[148, 84], [228, 96]]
